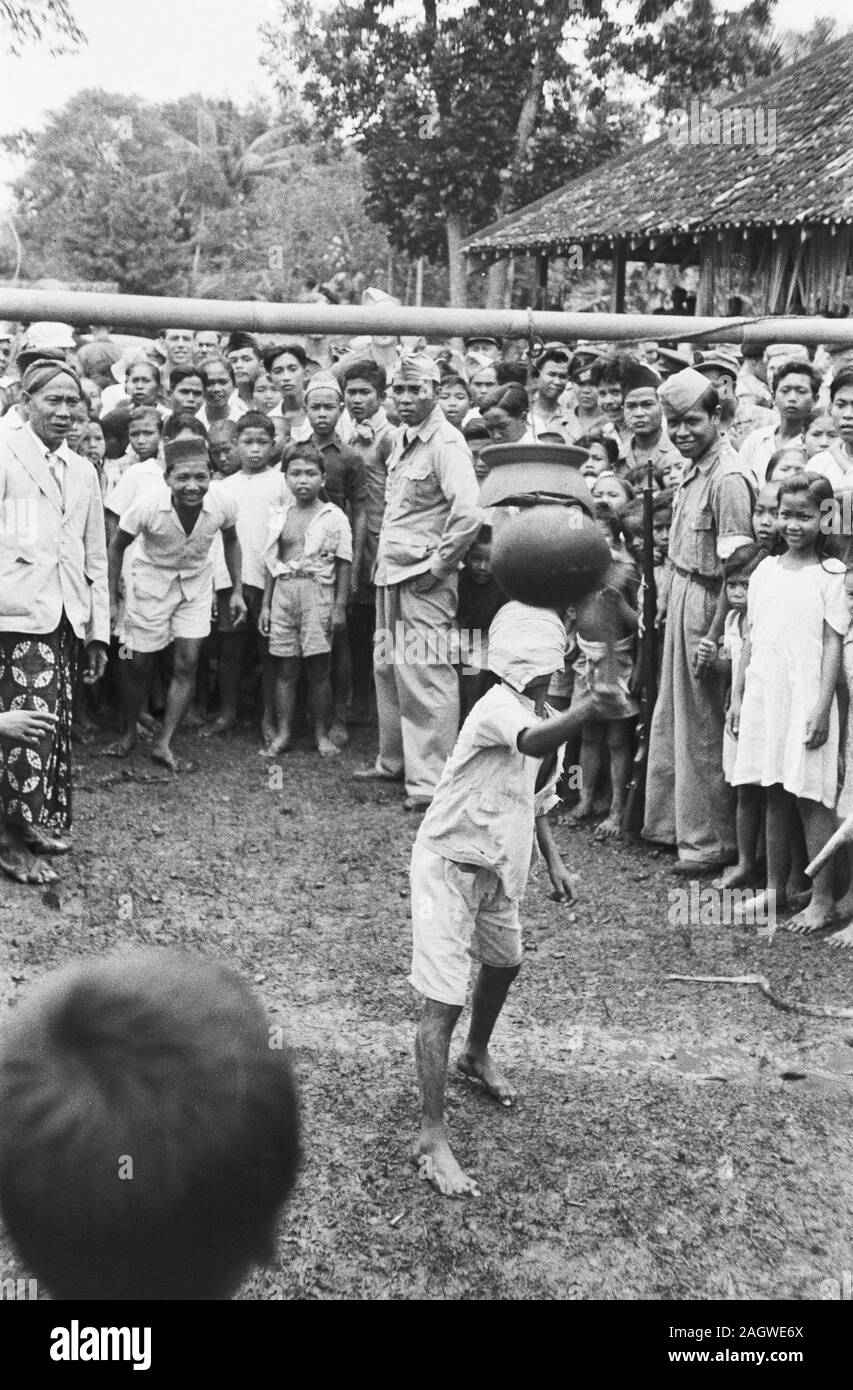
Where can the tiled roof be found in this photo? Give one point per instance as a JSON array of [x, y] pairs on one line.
[[802, 172]]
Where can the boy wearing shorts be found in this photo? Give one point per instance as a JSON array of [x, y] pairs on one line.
[[470, 863], [172, 584], [308, 559], [259, 490]]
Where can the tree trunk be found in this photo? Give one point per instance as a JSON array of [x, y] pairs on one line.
[[496, 284], [456, 262]]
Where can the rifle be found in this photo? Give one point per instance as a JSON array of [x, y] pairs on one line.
[[632, 821]]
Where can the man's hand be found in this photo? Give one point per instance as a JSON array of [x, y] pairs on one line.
[[339, 618], [423, 583], [608, 703], [237, 608], [561, 881], [26, 725], [733, 719], [96, 662], [264, 620], [817, 728]]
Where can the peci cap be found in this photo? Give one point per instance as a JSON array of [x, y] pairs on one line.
[[179, 451]]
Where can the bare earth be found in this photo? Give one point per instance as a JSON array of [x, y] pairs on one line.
[[672, 1140]]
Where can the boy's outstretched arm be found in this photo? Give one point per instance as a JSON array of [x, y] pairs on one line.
[[549, 734]]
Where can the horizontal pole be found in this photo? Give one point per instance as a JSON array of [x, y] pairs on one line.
[[147, 311]]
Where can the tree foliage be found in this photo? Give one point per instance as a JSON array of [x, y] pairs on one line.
[[44, 21]]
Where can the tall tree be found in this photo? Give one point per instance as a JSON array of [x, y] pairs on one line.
[[44, 21], [465, 111]]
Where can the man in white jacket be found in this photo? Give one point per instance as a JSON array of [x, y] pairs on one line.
[[53, 596]]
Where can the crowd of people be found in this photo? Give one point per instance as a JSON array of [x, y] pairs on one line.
[[200, 529]]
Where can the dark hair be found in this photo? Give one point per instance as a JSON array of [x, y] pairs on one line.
[[475, 429], [662, 501], [180, 374], [819, 491], [796, 446], [308, 453], [630, 494], [844, 378], [365, 369], [454, 379], [148, 365], [552, 354], [183, 420], [512, 398], [709, 400], [611, 448], [745, 560], [145, 412], [256, 420], [293, 350], [163, 1060], [508, 373], [796, 366], [217, 361]]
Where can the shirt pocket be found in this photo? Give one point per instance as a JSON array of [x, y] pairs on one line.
[[419, 484], [702, 540]]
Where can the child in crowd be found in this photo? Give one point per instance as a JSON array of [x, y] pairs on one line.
[[224, 456], [455, 399], [370, 434], [783, 708], [93, 446], [308, 560], [603, 455], [477, 438], [820, 433], [606, 635], [671, 472], [617, 492], [172, 584], [159, 1061], [479, 598], [266, 393], [765, 514], [785, 462], [80, 419], [258, 490], [737, 569], [345, 485]]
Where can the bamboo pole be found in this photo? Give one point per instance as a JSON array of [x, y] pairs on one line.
[[143, 311]]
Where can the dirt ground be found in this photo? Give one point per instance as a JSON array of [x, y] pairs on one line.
[[672, 1141]]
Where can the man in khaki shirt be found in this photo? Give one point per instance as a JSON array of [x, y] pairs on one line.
[[688, 803], [431, 518]]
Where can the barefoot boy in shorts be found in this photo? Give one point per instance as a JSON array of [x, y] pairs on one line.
[[308, 559], [470, 863], [172, 583]]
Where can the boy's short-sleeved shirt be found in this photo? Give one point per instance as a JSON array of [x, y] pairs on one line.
[[137, 479], [346, 479], [165, 550], [327, 539], [484, 807], [257, 496]]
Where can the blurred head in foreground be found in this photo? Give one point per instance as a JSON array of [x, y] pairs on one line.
[[149, 1129]]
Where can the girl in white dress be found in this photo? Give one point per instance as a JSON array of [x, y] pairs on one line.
[[784, 712]]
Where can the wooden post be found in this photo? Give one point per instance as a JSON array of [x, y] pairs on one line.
[[542, 280], [618, 290], [419, 281]]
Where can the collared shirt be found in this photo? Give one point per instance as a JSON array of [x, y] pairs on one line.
[[327, 539], [346, 480], [237, 408], [712, 513], [575, 426], [546, 422], [166, 551], [431, 512], [758, 448], [371, 430], [831, 465], [637, 457], [257, 496], [372, 440], [137, 479], [484, 808], [296, 434], [57, 460]]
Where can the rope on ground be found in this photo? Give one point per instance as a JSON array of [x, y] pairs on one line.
[[789, 1007]]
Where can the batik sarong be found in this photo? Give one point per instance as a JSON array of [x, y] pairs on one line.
[[38, 672]]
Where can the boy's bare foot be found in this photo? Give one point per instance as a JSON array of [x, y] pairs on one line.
[[756, 907], [194, 718], [611, 828], [844, 937], [280, 744], [813, 918], [738, 876], [581, 813], [162, 753], [149, 723], [338, 733], [435, 1164], [223, 724], [122, 748], [268, 732], [326, 748], [481, 1068]]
